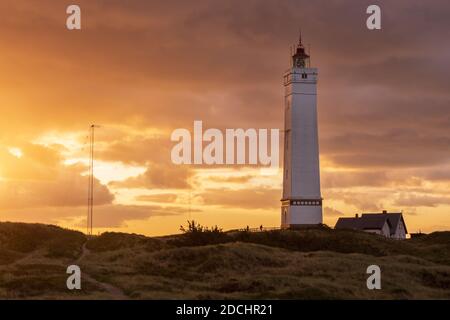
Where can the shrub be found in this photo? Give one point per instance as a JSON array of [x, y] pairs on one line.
[[197, 235]]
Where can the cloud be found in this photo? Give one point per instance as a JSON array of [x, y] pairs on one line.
[[438, 174], [418, 200], [68, 189], [38, 178], [35, 163], [164, 197], [243, 199], [345, 179], [331, 212], [115, 216], [231, 179], [396, 148], [158, 176], [105, 216], [363, 201], [135, 148]]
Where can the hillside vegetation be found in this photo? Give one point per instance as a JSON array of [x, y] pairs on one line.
[[317, 263]]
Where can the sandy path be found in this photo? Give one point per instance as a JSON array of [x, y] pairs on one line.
[[116, 292]]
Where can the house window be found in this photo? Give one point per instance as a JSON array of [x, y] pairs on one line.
[[304, 76]]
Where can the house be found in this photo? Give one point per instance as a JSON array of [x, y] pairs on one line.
[[390, 225]]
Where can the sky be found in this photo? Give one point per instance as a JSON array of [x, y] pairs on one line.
[[141, 69]]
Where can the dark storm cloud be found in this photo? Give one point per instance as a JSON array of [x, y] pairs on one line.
[[160, 58]]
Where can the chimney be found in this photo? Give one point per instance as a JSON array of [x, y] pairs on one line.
[[356, 215], [384, 211]]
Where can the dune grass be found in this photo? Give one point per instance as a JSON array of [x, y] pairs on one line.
[[316, 263]]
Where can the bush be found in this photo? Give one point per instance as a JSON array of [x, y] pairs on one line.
[[197, 235]]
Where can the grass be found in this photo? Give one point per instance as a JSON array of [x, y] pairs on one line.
[[316, 263], [25, 238]]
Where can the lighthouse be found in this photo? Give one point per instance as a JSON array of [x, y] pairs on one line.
[[301, 204]]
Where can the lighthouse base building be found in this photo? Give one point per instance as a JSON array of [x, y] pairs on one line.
[[301, 204]]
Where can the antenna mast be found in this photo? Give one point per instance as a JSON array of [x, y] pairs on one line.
[[90, 215]]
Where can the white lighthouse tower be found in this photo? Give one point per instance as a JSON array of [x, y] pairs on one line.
[[301, 204]]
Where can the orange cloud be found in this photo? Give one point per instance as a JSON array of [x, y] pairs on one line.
[[245, 199]]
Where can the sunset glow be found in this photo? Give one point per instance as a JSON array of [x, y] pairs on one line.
[[138, 73]]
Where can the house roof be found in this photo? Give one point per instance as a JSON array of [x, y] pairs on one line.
[[347, 223], [393, 218], [372, 221], [366, 223]]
